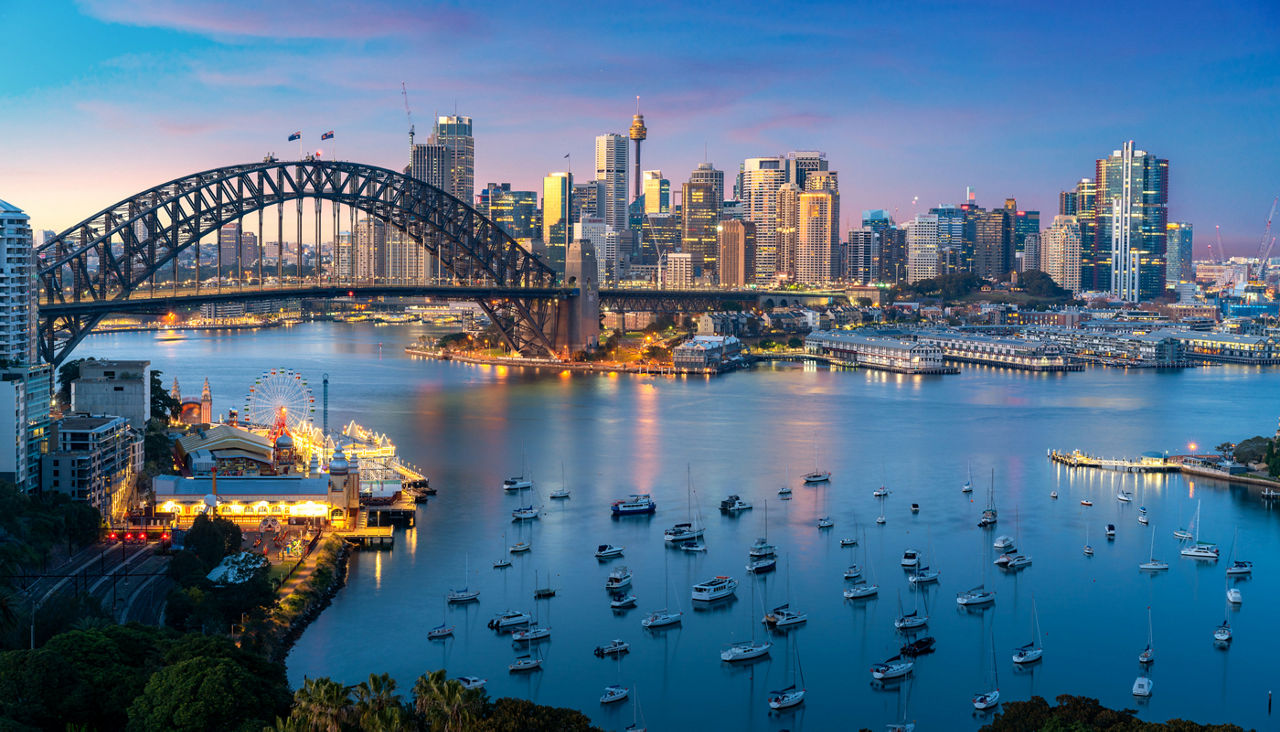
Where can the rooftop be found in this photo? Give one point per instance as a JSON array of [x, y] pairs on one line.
[[242, 487]]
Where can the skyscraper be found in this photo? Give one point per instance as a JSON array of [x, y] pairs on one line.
[[800, 164], [611, 168], [891, 245], [993, 245], [761, 179], [25, 383], [922, 248], [787, 230], [699, 214], [1031, 252], [816, 225], [1085, 197], [557, 194], [862, 258], [514, 211], [588, 201], [706, 173], [429, 163], [453, 134], [737, 256], [1132, 217], [829, 181], [1060, 252], [657, 192], [1178, 254]]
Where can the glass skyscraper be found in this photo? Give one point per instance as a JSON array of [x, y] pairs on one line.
[[1132, 215]]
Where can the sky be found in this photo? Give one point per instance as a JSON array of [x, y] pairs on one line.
[[911, 101]]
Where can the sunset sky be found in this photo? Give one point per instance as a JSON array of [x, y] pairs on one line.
[[103, 98]]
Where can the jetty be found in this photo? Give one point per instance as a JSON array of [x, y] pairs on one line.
[[1148, 463]]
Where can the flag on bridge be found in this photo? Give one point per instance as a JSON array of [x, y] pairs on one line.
[[327, 136], [295, 136]]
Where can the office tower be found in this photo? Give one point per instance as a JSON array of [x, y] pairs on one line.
[[232, 238], [1067, 203], [862, 261], [1031, 252], [950, 226], [594, 230], [761, 179], [800, 164], [676, 272], [1086, 195], [787, 230], [1131, 214], [993, 245], [699, 215], [26, 386], [514, 211], [1060, 247], [1178, 254], [922, 248], [892, 245], [557, 194], [588, 198], [736, 258], [430, 164], [369, 260], [706, 173], [637, 133], [1024, 222], [343, 255], [405, 260], [656, 192], [661, 233], [815, 225], [611, 168], [828, 180], [453, 134]]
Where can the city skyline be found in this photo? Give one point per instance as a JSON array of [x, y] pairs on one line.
[[905, 116]]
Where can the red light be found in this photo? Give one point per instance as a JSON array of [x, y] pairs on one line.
[[112, 536], [164, 536]]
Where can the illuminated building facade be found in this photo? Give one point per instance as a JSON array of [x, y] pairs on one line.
[[736, 255], [699, 215], [611, 168], [452, 134], [1178, 267], [816, 224], [657, 192], [1060, 251], [557, 189], [922, 248], [1131, 209], [761, 178]]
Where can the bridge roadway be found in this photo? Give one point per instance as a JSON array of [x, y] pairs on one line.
[[163, 299]]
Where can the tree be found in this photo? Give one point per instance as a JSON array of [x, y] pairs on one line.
[[444, 705], [322, 705], [1038, 284], [522, 715], [202, 694], [212, 539], [164, 406], [794, 342], [1251, 450], [1225, 449]]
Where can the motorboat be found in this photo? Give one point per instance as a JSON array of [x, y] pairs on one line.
[[918, 647], [1085, 502], [525, 513], [518, 483], [1142, 686], [1201, 550], [1142, 519], [861, 590], [615, 647], [471, 682], [1018, 561], [734, 504], [1003, 559], [910, 620], [785, 492], [440, 631], [659, 618], [618, 579], [893, 668], [762, 548], [1222, 634], [1111, 531], [1053, 495], [910, 558], [1182, 535], [783, 616], [533, 633], [975, 597], [715, 588], [509, 619], [608, 551], [1124, 496], [1088, 550], [1239, 567], [502, 563], [622, 602], [826, 522], [849, 541], [1147, 656], [745, 650], [693, 545], [986, 700], [682, 532], [880, 519], [785, 698], [1234, 597], [915, 508], [614, 694], [852, 572], [560, 493], [760, 566], [1004, 541], [524, 664], [635, 504], [520, 547], [880, 492], [923, 575], [817, 476]]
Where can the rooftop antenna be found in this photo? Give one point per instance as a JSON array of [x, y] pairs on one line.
[[404, 92]]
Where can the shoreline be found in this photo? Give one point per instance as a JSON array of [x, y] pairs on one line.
[[280, 636], [552, 364]]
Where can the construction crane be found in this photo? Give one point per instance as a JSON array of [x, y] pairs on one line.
[[1266, 243], [404, 92], [1217, 228]]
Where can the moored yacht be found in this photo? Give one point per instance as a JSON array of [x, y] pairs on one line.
[[1004, 541], [715, 588], [861, 590], [1142, 686], [817, 476], [826, 522], [509, 619], [783, 616], [975, 596], [762, 565], [681, 533], [608, 551], [622, 602], [849, 541], [517, 483], [615, 647], [734, 504], [762, 548], [1200, 550], [636, 503], [1239, 567], [532, 633], [614, 694], [893, 668], [852, 572], [524, 663], [786, 698], [910, 558], [660, 618], [923, 575], [618, 579], [745, 650]]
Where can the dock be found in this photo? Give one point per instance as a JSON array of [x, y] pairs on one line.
[[369, 537], [1144, 464]]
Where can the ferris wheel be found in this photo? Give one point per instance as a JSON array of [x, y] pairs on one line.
[[279, 398]]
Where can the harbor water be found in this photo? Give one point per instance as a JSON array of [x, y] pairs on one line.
[[750, 433]]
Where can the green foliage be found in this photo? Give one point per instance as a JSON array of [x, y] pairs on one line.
[[1225, 449], [32, 526], [657, 353], [201, 694], [1038, 284], [522, 715], [163, 404], [157, 448], [1251, 450], [453, 340], [794, 342], [1081, 714], [947, 287], [1272, 458], [212, 539]]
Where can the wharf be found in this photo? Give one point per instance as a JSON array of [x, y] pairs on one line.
[[400, 510], [1145, 464], [545, 363], [371, 537], [802, 356]]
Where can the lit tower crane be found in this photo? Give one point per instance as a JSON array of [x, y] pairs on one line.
[[404, 92], [1266, 243]]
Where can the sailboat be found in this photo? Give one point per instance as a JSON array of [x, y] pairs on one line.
[[1183, 534], [968, 483], [1238, 568], [977, 596], [817, 475], [521, 546], [863, 590], [1222, 635], [441, 631], [880, 519], [1033, 651], [989, 699], [989, 513], [465, 594], [1148, 654], [1152, 564], [636, 716], [747, 650], [913, 619], [891, 668], [663, 617], [545, 592], [518, 482], [689, 530], [793, 694], [1088, 548], [1200, 549], [762, 548], [783, 616], [529, 511], [563, 490], [825, 521], [504, 561]]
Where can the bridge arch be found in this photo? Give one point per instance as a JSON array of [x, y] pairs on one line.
[[121, 249]]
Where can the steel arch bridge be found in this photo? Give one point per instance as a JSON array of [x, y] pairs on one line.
[[101, 262]]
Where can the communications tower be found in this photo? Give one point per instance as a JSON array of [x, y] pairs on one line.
[[638, 133]]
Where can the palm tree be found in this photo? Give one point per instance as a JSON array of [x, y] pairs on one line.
[[378, 707], [444, 705], [322, 705]]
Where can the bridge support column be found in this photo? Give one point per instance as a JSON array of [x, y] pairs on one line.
[[578, 324]]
